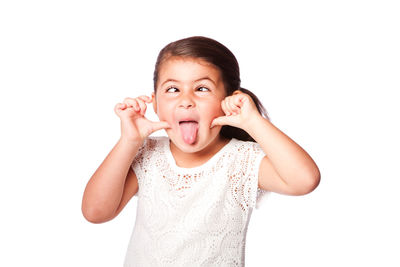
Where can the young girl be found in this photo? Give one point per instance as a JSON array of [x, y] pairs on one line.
[[197, 187]]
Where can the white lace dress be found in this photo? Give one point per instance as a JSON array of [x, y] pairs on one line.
[[194, 216]]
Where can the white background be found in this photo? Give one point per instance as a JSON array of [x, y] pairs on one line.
[[327, 72]]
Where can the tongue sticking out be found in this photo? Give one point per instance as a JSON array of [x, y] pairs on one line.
[[189, 131]]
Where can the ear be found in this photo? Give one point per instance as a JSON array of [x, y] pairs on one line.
[[153, 99]]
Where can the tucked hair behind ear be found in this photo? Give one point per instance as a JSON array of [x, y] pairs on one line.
[[213, 52]]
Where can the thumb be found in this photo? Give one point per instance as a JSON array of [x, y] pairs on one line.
[[158, 125], [223, 120]]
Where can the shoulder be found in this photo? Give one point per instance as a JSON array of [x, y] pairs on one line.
[[246, 147], [156, 139], [243, 154], [151, 146], [243, 167], [247, 155], [154, 142], [151, 150]]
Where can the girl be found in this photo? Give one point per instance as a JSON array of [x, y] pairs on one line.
[[198, 186]]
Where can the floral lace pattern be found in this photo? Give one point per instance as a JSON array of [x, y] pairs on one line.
[[194, 216]]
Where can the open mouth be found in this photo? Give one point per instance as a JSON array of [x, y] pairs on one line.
[[189, 129]]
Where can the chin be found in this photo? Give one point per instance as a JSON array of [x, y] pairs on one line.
[[188, 148], [198, 145]]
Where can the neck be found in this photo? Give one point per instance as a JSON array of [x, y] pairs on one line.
[[190, 160]]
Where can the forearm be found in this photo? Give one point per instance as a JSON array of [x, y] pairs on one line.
[[104, 190], [292, 163]]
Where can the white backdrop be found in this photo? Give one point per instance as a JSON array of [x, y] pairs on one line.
[[326, 71]]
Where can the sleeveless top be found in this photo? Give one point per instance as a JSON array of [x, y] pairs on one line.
[[194, 216]]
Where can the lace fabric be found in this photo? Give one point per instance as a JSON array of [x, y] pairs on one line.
[[194, 216]]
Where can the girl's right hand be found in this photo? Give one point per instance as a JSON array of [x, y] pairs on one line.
[[134, 125]]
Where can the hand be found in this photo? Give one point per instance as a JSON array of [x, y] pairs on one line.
[[134, 125], [239, 109]]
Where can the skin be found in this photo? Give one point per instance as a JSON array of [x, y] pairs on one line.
[[286, 168], [188, 97]]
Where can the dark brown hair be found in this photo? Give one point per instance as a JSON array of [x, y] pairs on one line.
[[220, 56]]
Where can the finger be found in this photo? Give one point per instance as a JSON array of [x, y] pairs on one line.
[[224, 108], [119, 107], [235, 109], [230, 106], [131, 102], [236, 103], [142, 106], [223, 120], [238, 100], [146, 98], [158, 125]]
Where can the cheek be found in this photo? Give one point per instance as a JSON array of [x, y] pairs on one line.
[[165, 112], [214, 110], [217, 108]]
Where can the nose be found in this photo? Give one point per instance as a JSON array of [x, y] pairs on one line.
[[186, 101]]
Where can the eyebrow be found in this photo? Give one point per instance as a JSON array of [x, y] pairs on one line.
[[204, 78]]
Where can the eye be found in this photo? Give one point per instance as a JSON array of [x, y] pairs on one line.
[[203, 89], [172, 89]]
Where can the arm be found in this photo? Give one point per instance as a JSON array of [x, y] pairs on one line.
[[114, 183], [286, 168], [105, 189]]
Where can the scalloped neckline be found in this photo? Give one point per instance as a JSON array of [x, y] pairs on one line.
[[201, 167]]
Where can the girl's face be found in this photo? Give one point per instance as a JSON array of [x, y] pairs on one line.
[[188, 96]]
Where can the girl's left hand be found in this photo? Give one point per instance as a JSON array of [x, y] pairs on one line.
[[239, 109]]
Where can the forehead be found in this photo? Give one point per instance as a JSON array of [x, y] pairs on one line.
[[187, 70]]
